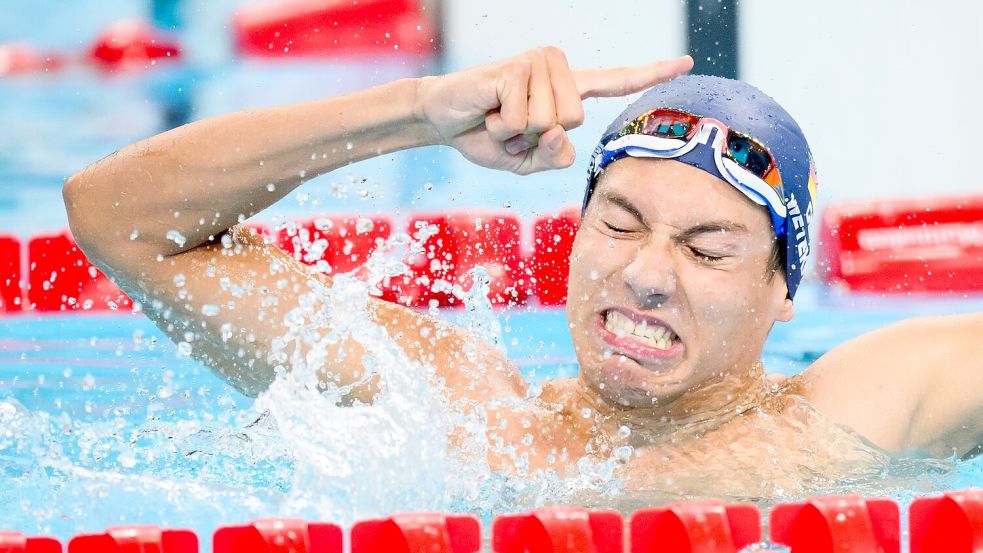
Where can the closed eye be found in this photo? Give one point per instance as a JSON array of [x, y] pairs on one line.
[[705, 257], [616, 229]]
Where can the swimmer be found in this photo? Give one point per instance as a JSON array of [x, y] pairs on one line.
[[692, 243]]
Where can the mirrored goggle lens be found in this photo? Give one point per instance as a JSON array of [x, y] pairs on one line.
[[664, 123], [747, 152], [751, 155]]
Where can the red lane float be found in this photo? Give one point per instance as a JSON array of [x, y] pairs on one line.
[[16, 542], [279, 536], [132, 44], [952, 523], [61, 278], [838, 524], [917, 245], [11, 295], [695, 527], [417, 533], [550, 264], [343, 244], [559, 530], [333, 28], [135, 539], [19, 58], [457, 244]]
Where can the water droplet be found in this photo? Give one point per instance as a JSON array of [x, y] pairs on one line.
[[226, 330], [126, 459], [176, 237]]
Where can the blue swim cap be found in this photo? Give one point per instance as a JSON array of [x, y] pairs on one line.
[[744, 109]]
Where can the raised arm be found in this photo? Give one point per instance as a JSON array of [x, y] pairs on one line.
[[916, 385], [159, 216]]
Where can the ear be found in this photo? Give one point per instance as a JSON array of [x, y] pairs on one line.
[[786, 311]]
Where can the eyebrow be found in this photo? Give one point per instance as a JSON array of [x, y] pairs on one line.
[[712, 227], [625, 204], [708, 227]]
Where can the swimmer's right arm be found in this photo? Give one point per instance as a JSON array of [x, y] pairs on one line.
[[155, 214]]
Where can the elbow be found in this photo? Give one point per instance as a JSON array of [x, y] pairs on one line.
[[73, 194], [92, 224]]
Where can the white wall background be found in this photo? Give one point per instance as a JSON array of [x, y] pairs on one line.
[[889, 92]]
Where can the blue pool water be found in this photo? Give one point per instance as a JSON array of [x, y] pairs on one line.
[[103, 423]]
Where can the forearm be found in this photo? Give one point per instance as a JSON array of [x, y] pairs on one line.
[[172, 192]]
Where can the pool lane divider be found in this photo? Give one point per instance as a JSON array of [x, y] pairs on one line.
[[559, 530], [16, 542], [11, 271], [951, 523], [136, 539], [277, 535], [930, 245], [306, 28], [417, 533], [59, 278], [690, 526], [838, 524]]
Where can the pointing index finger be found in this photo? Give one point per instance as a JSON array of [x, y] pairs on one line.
[[622, 81]]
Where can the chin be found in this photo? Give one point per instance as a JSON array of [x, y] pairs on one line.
[[625, 383]]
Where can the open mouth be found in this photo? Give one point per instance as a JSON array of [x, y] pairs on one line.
[[638, 336]]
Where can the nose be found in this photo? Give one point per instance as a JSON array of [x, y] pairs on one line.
[[650, 275]]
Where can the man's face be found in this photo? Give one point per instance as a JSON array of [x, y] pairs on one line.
[[669, 282]]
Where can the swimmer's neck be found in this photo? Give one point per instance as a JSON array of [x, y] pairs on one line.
[[698, 410]]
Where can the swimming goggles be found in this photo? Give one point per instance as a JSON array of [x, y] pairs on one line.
[[709, 144]]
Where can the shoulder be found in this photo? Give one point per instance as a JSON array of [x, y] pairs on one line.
[[881, 383]]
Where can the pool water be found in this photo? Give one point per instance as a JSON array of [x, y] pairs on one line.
[[102, 422]]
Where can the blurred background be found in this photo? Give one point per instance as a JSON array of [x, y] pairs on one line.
[[887, 91]]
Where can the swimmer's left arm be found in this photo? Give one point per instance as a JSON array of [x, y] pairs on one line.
[[949, 417], [916, 385]]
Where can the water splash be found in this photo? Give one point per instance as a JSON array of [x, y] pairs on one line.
[[355, 459]]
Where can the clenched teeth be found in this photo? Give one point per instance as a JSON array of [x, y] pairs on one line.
[[654, 335]]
